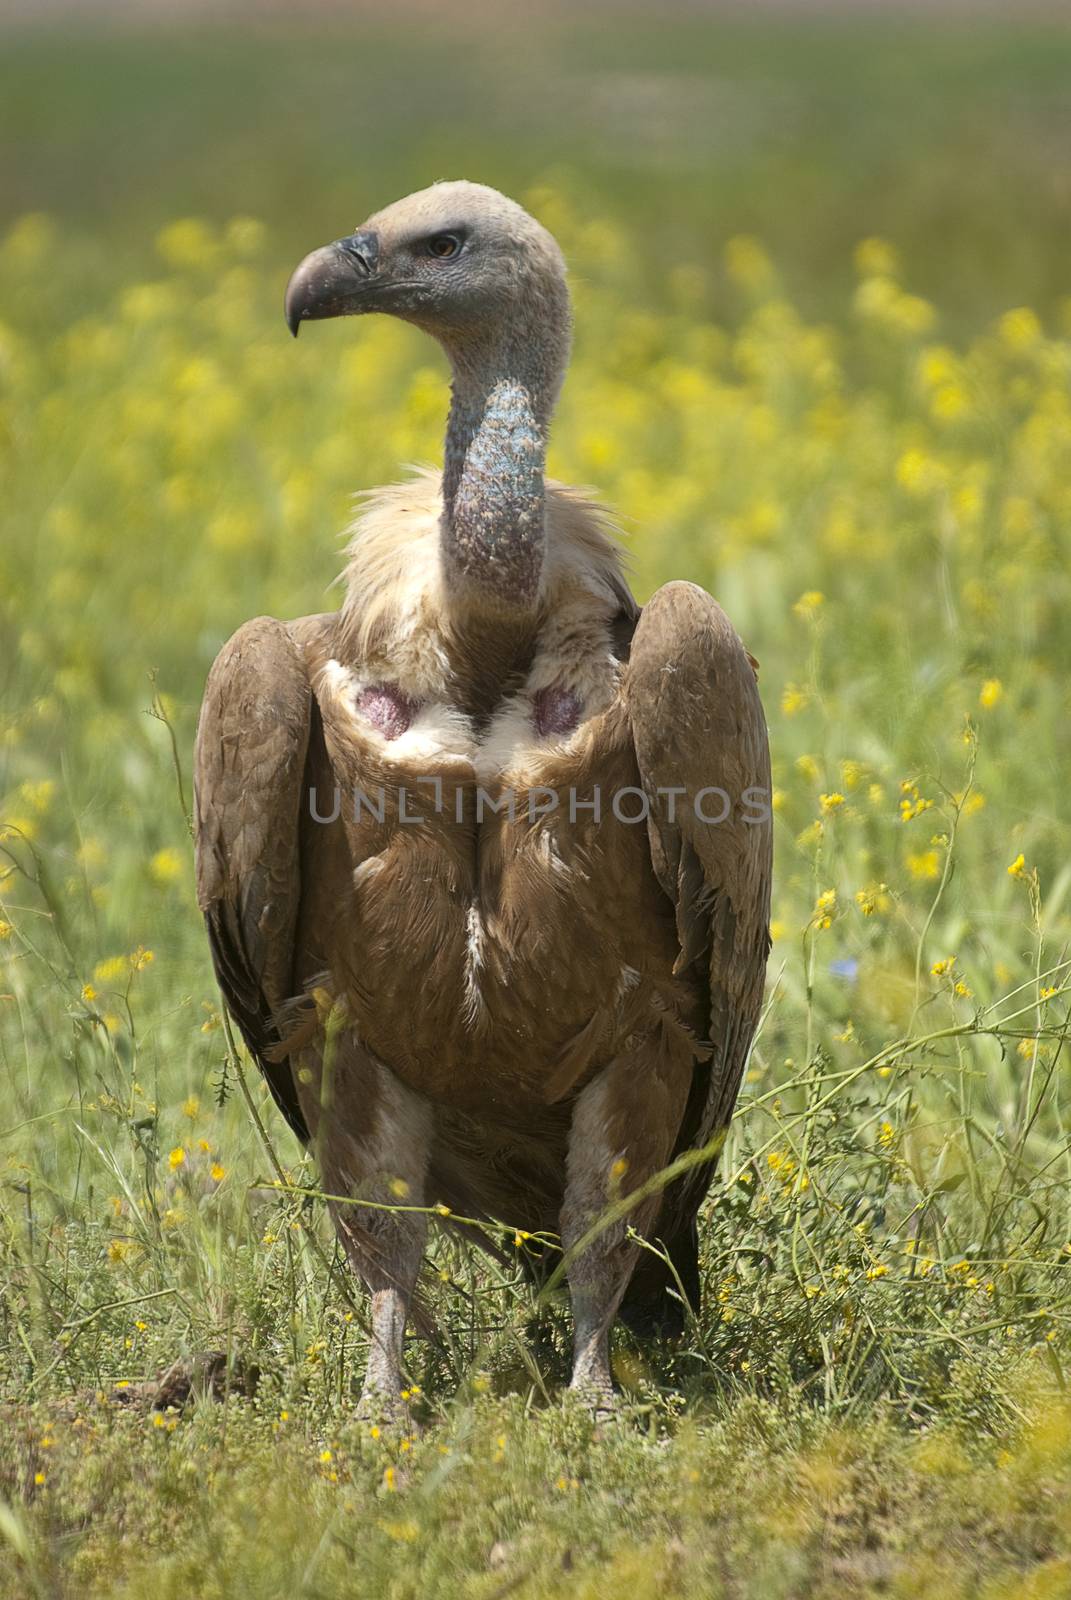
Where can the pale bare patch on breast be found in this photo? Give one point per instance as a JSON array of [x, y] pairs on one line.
[[389, 711], [401, 729], [555, 711], [573, 679], [394, 635]]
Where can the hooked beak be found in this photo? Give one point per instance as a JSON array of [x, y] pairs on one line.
[[332, 281]]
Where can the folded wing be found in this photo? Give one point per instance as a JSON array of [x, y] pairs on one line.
[[249, 781], [703, 753]]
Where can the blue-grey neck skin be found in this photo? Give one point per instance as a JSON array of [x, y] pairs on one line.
[[493, 527]]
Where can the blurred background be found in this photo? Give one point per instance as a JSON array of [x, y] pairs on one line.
[[945, 126], [819, 256]]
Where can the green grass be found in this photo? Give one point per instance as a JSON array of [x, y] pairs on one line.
[[867, 459]]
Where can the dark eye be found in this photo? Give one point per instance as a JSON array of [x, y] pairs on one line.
[[444, 245]]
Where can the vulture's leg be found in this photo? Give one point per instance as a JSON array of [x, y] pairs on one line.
[[371, 1135], [623, 1130]]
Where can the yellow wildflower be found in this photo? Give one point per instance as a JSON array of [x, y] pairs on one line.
[[187, 242], [912, 802], [809, 604], [19, 828], [950, 402], [919, 474], [825, 908], [176, 1158], [876, 258], [1020, 328], [405, 1531], [111, 970], [874, 899], [166, 866], [794, 699], [991, 692], [38, 796], [968, 502]]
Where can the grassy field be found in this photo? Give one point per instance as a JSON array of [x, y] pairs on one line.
[[824, 343]]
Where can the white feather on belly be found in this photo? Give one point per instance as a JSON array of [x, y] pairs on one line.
[[474, 961]]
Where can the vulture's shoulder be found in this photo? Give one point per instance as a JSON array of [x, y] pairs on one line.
[[585, 548]]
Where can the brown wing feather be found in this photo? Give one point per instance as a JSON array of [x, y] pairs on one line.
[[252, 740], [698, 724]]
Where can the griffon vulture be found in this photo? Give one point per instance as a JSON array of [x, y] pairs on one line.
[[485, 855]]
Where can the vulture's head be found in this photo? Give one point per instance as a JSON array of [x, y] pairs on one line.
[[459, 260]]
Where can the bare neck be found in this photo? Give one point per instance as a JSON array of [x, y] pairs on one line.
[[494, 526]]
